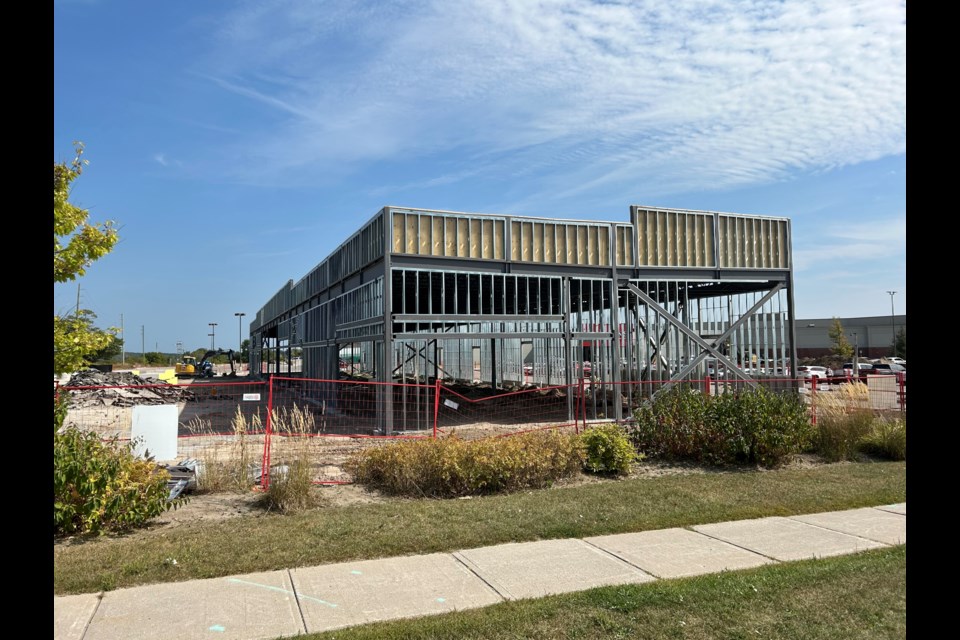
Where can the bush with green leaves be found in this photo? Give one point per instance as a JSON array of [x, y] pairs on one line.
[[102, 486], [450, 467], [745, 426], [608, 450]]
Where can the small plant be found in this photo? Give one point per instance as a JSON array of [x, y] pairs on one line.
[[844, 419], [608, 450], [887, 439], [290, 487]]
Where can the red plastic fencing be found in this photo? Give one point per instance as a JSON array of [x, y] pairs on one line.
[[204, 408], [476, 412], [326, 421], [881, 393]]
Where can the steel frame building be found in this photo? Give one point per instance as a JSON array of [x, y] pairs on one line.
[[507, 300]]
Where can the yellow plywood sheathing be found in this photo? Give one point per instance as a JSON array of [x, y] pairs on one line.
[[498, 240], [549, 243], [603, 244], [537, 233], [437, 239], [411, 233], [487, 239], [526, 241], [463, 237], [514, 240], [561, 235], [423, 230], [475, 239], [450, 237], [398, 233]]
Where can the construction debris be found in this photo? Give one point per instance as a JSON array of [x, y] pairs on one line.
[[183, 477], [121, 389]]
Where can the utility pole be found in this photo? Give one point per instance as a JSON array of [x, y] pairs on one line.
[[143, 344], [123, 345], [213, 335], [893, 329]]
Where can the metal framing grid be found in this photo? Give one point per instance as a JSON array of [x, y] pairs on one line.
[[507, 301]]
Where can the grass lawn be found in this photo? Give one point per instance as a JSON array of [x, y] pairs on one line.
[[400, 527], [861, 596]]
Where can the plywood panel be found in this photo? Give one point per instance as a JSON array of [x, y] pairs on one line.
[[397, 233], [437, 236], [475, 239]]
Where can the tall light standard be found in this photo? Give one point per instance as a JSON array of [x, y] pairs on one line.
[[213, 335], [893, 330], [856, 356], [240, 334]]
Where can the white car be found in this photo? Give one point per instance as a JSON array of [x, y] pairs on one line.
[[808, 372]]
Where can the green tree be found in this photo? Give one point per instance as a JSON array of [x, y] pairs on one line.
[[841, 346], [77, 342], [77, 244], [900, 344], [154, 358]]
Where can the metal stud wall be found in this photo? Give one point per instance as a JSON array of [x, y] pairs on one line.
[[508, 300]]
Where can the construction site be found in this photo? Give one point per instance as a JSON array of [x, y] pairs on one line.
[[502, 301], [423, 323]]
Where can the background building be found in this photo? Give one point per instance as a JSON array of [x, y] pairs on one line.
[[874, 335]]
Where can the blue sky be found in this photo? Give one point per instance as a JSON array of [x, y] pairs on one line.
[[237, 143]]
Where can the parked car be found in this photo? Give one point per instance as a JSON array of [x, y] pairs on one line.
[[808, 372], [848, 368], [886, 369], [897, 360]]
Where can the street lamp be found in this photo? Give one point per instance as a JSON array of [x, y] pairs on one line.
[[893, 330], [856, 355], [240, 334], [213, 335]]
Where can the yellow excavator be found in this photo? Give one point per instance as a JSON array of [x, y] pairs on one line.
[[190, 367]]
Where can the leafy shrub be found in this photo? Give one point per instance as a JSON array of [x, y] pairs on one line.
[[102, 486], [753, 426], [608, 449], [451, 467], [887, 439]]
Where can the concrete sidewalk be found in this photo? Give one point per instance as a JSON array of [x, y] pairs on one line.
[[308, 600]]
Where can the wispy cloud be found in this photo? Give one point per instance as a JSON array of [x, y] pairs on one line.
[[571, 95]]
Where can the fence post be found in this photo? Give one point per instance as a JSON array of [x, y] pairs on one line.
[[583, 408], [436, 405], [706, 384], [902, 391], [813, 399], [265, 464]]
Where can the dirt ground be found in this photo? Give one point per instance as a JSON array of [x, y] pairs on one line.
[[223, 506]]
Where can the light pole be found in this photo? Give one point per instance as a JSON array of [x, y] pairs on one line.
[[856, 356], [240, 334], [213, 335], [893, 330]]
